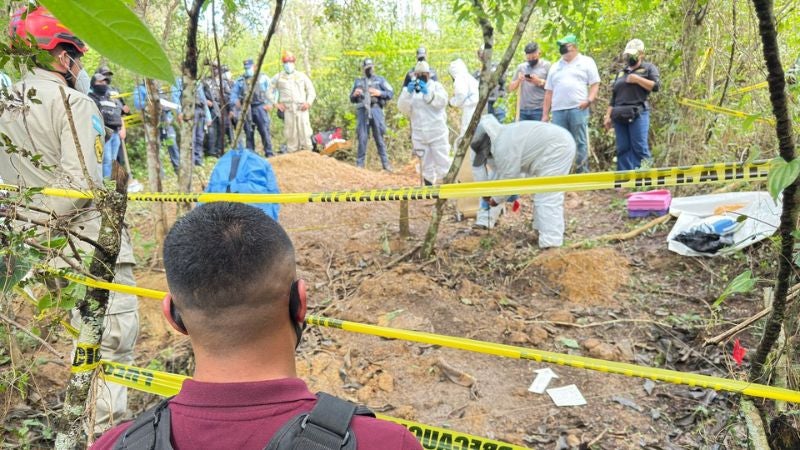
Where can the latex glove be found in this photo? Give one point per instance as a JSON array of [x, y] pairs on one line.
[[410, 87], [423, 87]]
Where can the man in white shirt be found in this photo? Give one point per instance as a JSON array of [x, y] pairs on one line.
[[571, 87]]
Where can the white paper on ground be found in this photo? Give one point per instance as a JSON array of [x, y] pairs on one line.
[[543, 377], [567, 396]]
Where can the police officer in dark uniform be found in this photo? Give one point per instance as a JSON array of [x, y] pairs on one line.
[[260, 105], [214, 145], [370, 93], [422, 55], [113, 91], [112, 119]]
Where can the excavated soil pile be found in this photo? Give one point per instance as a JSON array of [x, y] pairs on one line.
[[310, 172], [588, 277]]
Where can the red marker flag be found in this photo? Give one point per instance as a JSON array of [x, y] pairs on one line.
[[738, 352]]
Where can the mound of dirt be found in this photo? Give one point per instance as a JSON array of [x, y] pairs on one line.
[[308, 171], [588, 277]]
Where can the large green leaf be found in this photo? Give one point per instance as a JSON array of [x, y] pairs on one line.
[[112, 29], [781, 175], [742, 284]]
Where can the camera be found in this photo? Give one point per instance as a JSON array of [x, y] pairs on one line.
[[417, 87]]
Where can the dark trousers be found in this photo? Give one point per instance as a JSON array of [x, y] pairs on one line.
[[378, 126], [260, 120]]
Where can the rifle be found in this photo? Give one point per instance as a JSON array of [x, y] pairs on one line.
[[367, 98]]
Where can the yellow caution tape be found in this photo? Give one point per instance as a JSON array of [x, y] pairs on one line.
[[727, 111], [656, 177], [122, 95], [365, 53], [168, 384], [86, 358], [509, 351], [704, 61], [753, 87]]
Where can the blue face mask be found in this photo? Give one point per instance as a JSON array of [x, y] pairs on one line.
[[249, 72], [288, 67], [82, 82]]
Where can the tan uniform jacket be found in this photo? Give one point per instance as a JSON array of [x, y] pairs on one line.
[[293, 90], [40, 125]]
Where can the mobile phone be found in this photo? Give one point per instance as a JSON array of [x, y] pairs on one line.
[[527, 75]]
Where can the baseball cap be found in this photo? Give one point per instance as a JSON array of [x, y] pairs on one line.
[[105, 70], [248, 63], [531, 47], [422, 67], [568, 39], [367, 63], [421, 52], [634, 47], [98, 77]]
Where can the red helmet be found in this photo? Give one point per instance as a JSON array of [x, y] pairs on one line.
[[288, 57], [47, 30]]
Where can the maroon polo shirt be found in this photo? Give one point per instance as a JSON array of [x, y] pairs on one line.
[[246, 415]]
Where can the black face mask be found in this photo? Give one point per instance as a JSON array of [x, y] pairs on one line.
[[368, 72], [563, 49], [633, 60], [420, 58], [100, 89], [423, 78], [533, 62]]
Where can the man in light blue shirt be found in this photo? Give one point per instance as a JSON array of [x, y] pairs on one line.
[[571, 88]]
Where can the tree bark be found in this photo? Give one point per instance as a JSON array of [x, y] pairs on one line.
[[150, 122], [188, 96], [783, 128], [111, 205], [487, 83]]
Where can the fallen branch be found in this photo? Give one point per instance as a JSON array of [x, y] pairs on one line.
[[402, 257], [738, 328], [627, 235]]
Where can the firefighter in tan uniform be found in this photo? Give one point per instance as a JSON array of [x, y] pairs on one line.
[[295, 94], [46, 132]]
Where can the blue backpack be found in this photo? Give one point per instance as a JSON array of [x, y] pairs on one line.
[[243, 172]]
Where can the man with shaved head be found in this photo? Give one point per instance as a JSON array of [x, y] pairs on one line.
[[234, 290]]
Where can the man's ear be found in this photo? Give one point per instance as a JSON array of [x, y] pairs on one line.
[[298, 305], [172, 315]]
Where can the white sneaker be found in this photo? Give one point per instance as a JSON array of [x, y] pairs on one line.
[[494, 213], [482, 219]]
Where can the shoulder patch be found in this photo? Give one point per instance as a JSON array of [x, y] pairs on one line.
[[97, 124]]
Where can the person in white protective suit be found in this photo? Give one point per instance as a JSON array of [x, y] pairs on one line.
[[424, 101], [465, 92], [528, 149]]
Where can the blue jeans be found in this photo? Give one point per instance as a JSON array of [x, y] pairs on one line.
[[632, 147], [199, 135], [110, 153], [576, 121], [378, 127], [530, 114]]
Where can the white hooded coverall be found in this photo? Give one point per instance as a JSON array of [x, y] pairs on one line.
[[532, 149], [429, 130], [465, 92]]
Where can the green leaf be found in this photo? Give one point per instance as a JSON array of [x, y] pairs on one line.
[[741, 284], [56, 243], [115, 32], [781, 175], [12, 270], [571, 343], [46, 302]]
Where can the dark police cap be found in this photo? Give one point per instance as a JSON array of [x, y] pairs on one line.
[[531, 47], [367, 63]]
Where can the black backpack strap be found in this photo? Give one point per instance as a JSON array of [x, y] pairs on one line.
[[234, 170], [151, 430], [326, 427]]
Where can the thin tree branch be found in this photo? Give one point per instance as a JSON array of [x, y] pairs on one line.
[[20, 327]]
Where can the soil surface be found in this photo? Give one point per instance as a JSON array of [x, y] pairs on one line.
[[630, 301]]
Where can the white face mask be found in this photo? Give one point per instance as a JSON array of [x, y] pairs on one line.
[[288, 67], [82, 82]]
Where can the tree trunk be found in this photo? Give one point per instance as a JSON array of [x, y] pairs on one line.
[[783, 128], [150, 121], [488, 82], [188, 96]]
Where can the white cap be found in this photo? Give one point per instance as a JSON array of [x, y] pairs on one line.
[[634, 47], [422, 67]]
